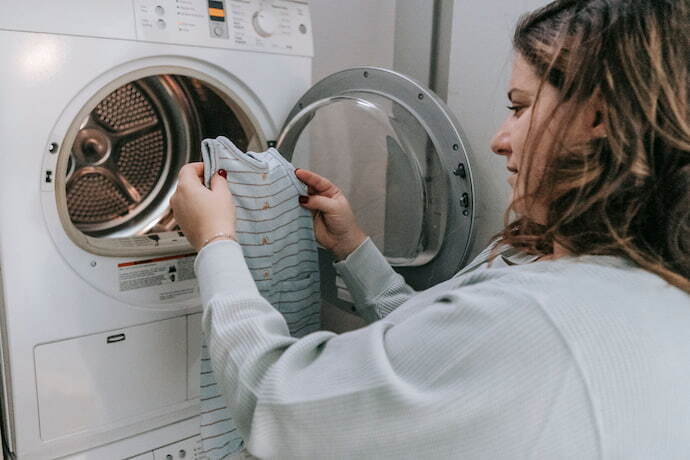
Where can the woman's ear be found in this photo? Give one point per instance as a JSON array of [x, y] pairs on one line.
[[598, 126], [598, 122], [598, 118]]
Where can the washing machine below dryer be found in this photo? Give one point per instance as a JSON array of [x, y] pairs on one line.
[[100, 313]]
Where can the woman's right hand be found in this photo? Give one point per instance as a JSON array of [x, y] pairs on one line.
[[335, 225]]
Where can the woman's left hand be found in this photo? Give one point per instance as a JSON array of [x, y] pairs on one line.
[[202, 213]]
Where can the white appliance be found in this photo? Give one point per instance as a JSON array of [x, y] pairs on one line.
[[100, 104]]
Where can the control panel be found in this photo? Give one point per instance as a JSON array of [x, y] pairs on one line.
[[273, 26]]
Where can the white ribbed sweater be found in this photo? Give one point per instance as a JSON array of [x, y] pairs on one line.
[[575, 358]]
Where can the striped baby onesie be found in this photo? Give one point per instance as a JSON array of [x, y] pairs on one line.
[[277, 239]]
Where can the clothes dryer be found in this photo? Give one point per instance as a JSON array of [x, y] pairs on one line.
[[102, 103]]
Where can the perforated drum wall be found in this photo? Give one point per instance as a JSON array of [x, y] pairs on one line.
[[124, 161]]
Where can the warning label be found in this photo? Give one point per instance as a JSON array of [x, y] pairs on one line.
[[157, 272]]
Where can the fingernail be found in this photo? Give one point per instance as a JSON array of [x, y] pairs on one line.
[[303, 199], [296, 169], [223, 173]]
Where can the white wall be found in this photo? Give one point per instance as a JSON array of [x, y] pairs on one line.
[[480, 62], [350, 33]]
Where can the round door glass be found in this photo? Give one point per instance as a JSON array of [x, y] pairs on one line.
[[382, 158]]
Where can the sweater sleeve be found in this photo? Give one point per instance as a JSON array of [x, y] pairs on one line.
[[375, 287], [471, 373]]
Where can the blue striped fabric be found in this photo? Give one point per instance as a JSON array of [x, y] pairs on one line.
[[277, 239]]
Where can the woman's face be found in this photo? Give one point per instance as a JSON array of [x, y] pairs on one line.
[[527, 112], [542, 115]]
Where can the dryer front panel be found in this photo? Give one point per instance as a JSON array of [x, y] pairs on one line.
[[56, 291], [396, 152]]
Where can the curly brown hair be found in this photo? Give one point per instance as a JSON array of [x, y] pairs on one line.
[[627, 194]]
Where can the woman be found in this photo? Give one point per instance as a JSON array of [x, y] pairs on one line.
[[568, 338]]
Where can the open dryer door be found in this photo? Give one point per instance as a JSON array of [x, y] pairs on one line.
[[397, 153]]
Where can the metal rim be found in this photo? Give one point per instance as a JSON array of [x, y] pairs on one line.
[[189, 106], [227, 98], [441, 127]]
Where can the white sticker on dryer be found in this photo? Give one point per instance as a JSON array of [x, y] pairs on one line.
[[160, 271]]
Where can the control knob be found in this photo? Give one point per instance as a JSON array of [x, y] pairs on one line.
[[265, 23]]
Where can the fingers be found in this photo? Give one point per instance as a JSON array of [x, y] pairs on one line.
[[320, 185], [319, 203], [219, 182], [192, 172]]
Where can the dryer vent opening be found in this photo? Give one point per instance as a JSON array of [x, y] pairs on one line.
[[127, 151]]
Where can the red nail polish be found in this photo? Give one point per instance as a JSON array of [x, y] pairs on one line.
[[303, 199], [223, 173]]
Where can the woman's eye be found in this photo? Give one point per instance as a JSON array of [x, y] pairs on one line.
[[516, 109]]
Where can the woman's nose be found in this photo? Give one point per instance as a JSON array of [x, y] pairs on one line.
[[500, 144]]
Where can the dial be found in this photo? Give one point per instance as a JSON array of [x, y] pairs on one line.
[[265, 23]]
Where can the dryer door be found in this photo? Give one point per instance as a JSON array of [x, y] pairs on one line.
[[397, 153]]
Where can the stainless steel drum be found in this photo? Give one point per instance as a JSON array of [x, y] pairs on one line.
[[126, 155]]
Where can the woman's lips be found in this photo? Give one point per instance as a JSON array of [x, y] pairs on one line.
[[513, 175]]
